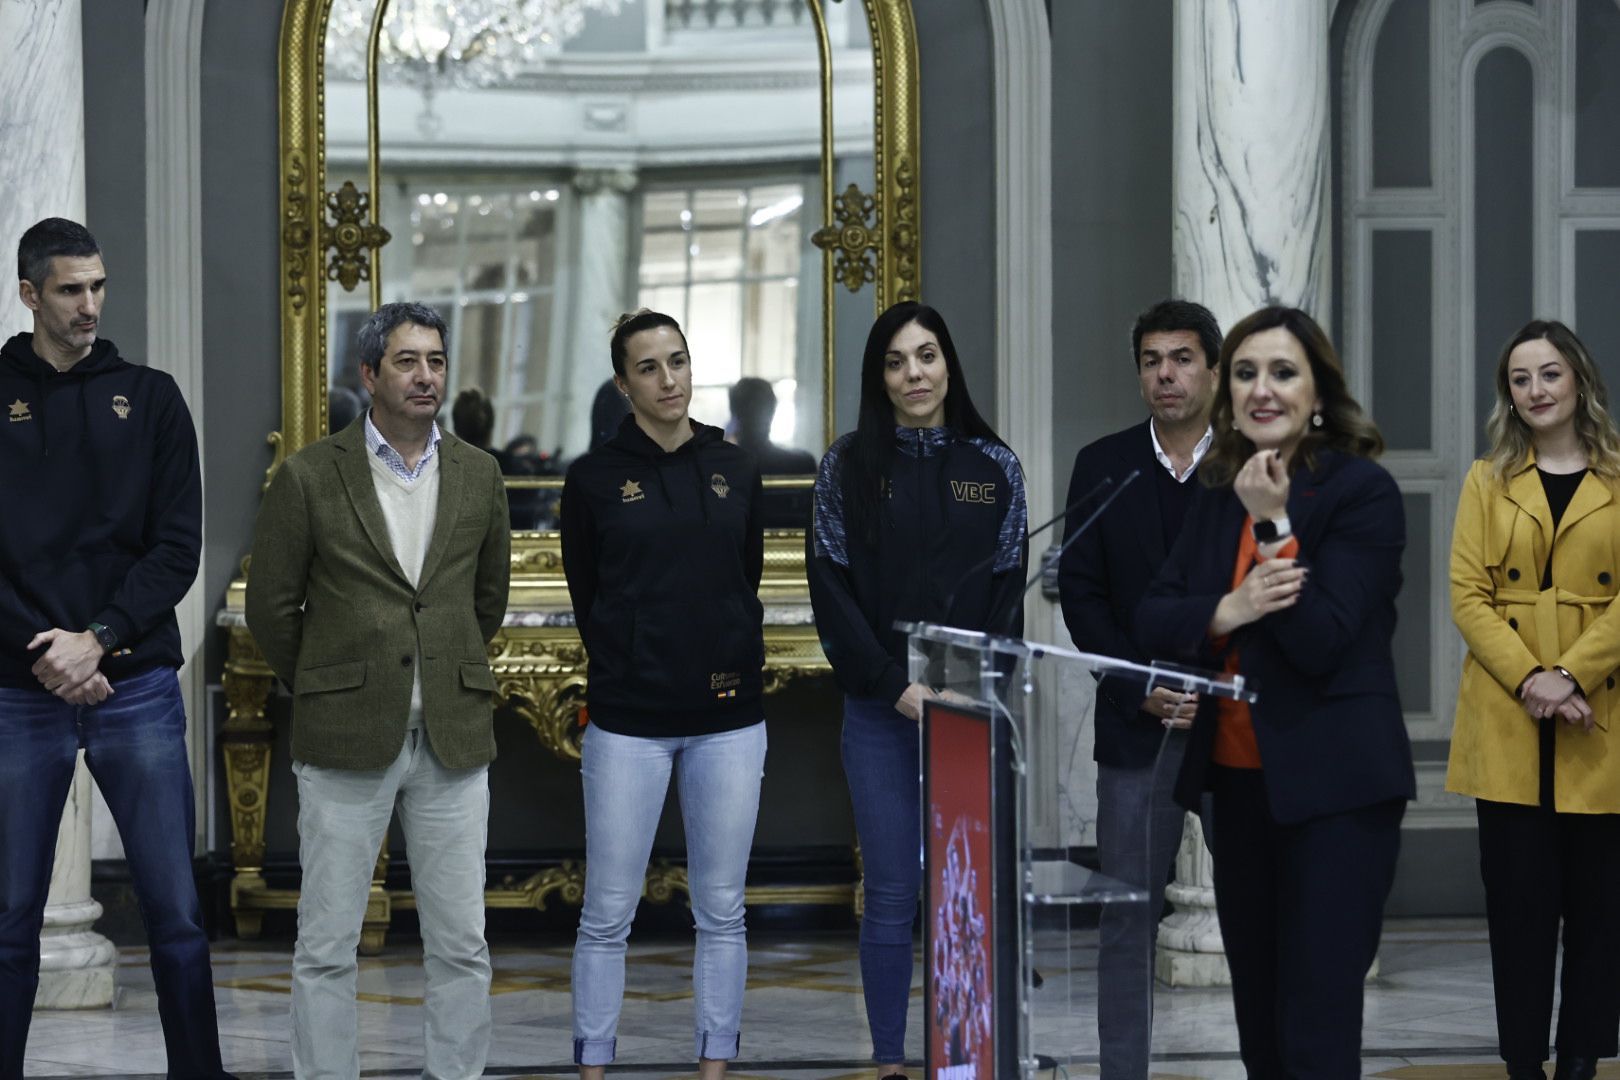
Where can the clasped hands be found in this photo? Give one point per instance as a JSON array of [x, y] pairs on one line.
[[69, 669], [1273, 584], [1547, 693]]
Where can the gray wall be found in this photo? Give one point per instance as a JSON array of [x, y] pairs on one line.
[[1111, 115], [115, 163], [241, 286], [959, 183]]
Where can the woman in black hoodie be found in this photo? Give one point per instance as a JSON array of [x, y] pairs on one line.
[[663, 548], [919, 515]]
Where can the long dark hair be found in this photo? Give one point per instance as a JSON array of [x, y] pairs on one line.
[[867, 459], [1345, 427]]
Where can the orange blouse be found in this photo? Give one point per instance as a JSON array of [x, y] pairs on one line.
[[1235, 745]]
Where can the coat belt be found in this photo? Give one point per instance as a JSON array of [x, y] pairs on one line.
[[1546, 602]]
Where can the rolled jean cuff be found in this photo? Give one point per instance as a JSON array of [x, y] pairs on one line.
[[717, 1045], [595, 1051]]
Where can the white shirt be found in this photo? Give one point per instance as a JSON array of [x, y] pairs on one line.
[[1198, 452]]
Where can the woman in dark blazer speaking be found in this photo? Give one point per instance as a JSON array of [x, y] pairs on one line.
[[1286, 571]]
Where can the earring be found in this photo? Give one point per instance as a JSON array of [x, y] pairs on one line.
[[1316, 419], [1234, 423]]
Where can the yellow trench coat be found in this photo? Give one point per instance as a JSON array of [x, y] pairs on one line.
[[1511, 625]]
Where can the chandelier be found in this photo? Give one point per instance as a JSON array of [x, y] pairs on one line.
[[432, 44]]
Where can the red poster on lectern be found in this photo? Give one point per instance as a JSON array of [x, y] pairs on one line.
[[959, 936]]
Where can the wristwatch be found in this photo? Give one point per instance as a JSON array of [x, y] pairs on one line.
[[104, 634], [1269, 532]]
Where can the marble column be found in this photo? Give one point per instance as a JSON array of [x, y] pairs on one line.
[[1250, 185], [42, 175], [601, 292], [1250, 178]]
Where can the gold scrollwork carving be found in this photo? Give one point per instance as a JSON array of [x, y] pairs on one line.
[[903, 233], [564, 654], [535, 560], [349, 236], [296, 232], [551, 707], [853, 238], [664, 881], [566, 882]]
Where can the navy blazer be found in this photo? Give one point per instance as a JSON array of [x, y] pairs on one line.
[[1104, 574], [1328, 722]]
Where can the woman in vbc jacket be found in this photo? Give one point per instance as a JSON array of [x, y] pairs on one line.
[[919, 515], [663, 548], [1535, 564]]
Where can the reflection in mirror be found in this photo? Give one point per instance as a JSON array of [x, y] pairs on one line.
[[652, 153]]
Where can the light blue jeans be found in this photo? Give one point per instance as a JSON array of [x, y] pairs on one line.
[[626, 779], [343, 815]]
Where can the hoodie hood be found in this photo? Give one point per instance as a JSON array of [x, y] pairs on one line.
[[17, 357], [630, 439]]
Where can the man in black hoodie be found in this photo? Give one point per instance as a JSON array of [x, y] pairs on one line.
[[102, 501]]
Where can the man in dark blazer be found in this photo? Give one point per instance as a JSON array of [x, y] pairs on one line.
[[379, 575], [1102, 576]]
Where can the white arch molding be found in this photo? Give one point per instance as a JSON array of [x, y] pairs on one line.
[[174, 340], [1021, 61]]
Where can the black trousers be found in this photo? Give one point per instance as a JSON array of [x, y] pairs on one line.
[[1301, 908], [1541, 867]]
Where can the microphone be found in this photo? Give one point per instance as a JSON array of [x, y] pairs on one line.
[[950, 597], [1067, 540]]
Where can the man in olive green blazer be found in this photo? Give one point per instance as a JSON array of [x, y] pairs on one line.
[[379, 575]]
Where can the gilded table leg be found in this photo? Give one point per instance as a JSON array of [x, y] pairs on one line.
[[246, 743], [379, 908]]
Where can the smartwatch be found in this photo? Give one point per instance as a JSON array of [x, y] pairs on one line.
[[104, 634], [1269, 532]]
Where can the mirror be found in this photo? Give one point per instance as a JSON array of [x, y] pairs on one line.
[[539, 166]]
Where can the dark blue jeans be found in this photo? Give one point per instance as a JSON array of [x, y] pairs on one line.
[[882, 759], [134, 744]]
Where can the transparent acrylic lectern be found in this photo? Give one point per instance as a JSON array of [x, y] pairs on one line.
[[1008, 940]]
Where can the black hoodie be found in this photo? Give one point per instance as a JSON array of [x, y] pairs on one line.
[[663, 553], [100, 507]]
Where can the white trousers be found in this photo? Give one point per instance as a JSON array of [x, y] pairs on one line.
[[343, 815]]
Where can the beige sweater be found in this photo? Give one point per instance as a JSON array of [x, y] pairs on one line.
[[410, 508]]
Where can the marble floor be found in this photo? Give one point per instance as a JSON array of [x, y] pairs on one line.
[[1429, 1013]]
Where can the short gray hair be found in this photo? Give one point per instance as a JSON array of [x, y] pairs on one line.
[[373, 337]]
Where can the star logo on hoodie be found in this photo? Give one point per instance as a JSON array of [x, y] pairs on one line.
[[19, 411], [631, 492]]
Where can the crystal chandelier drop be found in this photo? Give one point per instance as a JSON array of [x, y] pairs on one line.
[[431, 44]]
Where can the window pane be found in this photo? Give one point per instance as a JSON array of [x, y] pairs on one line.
[[1503, 159], [714, 330], [1597, 94], [711, 405], [663, 257], [662, 209], [1597, 268], [478, 348], [717, 254], [1412, 609], [718, 206], [770, 330], [670, 299], [1402, 336], [436, 264], [1400, 97], [489, 241], [536, 228], [775, 233]]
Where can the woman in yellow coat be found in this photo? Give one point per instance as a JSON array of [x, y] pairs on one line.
[[1535, 566]]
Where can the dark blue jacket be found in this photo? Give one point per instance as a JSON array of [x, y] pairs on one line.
[[1102, 577], [951, 548], [1328, 722], [100, 507]]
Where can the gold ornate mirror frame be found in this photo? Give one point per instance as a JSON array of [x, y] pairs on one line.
[[334, 235]]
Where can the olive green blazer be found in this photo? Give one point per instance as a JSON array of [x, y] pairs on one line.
[[339, 623]]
